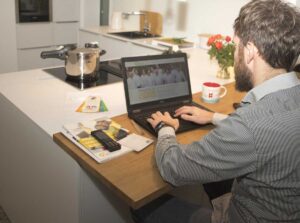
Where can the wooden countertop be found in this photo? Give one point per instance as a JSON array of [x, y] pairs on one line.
[[134, 177]]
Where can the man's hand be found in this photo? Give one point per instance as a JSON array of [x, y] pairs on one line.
[[194, 114], [166, 118]]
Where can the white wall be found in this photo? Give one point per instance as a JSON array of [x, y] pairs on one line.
[[89, 13], [8, 43], [132, 22], [298, 3], [198, 16], [129, 5]]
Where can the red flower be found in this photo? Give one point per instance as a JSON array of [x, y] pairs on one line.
[[218, 36], [222, 49], [211, 40], [219, 45], [228, 39]]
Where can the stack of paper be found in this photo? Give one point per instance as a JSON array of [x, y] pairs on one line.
[[80, 134]]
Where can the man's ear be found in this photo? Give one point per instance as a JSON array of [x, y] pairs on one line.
[[250, 52]]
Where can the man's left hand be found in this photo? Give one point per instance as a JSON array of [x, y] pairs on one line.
[[158, 117]]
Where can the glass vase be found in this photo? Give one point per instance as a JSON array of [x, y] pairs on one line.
[[223, 73]]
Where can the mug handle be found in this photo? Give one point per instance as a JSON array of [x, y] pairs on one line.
[[224, 93]]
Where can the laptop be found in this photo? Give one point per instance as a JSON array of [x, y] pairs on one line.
[[157, 83]]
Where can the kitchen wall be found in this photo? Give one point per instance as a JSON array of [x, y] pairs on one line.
[[89, 13], [190, 17], [187, 18], [8, 42]]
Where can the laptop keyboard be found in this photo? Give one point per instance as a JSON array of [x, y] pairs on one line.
[[183, 124], [147, 114]]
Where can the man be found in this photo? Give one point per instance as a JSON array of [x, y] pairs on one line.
[[178, 74], [136, 78], [158, 76], [259, 144]]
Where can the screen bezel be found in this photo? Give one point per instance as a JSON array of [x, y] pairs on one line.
[[131, 108]]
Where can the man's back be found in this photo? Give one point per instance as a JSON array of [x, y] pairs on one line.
[[272, 191], [259, 144]]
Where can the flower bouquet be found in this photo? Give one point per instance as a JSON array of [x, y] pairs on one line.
[[222, 48]]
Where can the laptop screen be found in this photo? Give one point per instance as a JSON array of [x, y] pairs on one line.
[[156, 78]]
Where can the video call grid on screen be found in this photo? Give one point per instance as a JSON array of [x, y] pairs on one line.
[[156, 79]]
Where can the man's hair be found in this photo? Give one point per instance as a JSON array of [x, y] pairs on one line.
[[274, 28]]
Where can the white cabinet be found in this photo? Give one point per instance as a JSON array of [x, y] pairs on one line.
[[65, 10], [34, 35], [33, 38], [86, 37], [30, 59], [115, 47], [65, 32], [8, 43], [139, 50]]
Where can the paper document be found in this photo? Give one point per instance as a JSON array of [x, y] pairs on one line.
[[136, 142], [80, 134]]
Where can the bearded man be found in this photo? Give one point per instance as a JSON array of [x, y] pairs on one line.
[[258, 145]]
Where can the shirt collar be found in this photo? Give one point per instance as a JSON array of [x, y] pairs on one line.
[[274, 84]]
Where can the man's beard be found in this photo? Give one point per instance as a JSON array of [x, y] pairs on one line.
[[243, 76]]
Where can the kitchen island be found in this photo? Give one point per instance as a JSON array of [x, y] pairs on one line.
[[39, 181]]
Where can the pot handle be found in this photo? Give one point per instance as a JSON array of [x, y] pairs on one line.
[[59, 53], [102, 52], [95, 45], [91, 45]]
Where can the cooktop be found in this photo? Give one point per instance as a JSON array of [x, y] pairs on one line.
[[109, 72]]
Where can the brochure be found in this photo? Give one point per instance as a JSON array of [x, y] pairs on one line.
[[92, 104], [80, 134]]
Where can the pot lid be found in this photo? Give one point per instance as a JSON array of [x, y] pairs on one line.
[[84, 51]]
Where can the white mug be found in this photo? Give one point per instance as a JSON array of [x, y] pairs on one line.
[[211, 92]]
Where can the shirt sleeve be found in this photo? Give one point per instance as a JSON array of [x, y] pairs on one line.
[[218, 117], [226, 152]]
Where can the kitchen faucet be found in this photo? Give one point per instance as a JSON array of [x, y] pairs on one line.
[[147, 25]]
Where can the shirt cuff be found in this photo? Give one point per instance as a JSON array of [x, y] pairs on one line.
[[167, 130], [218, 117]]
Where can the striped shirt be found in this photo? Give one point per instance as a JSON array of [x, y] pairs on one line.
[[259, 145]]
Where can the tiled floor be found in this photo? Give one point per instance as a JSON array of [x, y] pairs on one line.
[[3, 217]]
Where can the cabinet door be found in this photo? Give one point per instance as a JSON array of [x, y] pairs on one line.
[[65, 10], [8, 48], [65, 32], [140, 50], [86, 37], [115, 48], [30, 59], [31, 35]]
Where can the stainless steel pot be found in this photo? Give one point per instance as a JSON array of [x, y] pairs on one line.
[[81, 63]]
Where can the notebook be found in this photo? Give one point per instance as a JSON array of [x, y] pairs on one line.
[[157, 83]]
